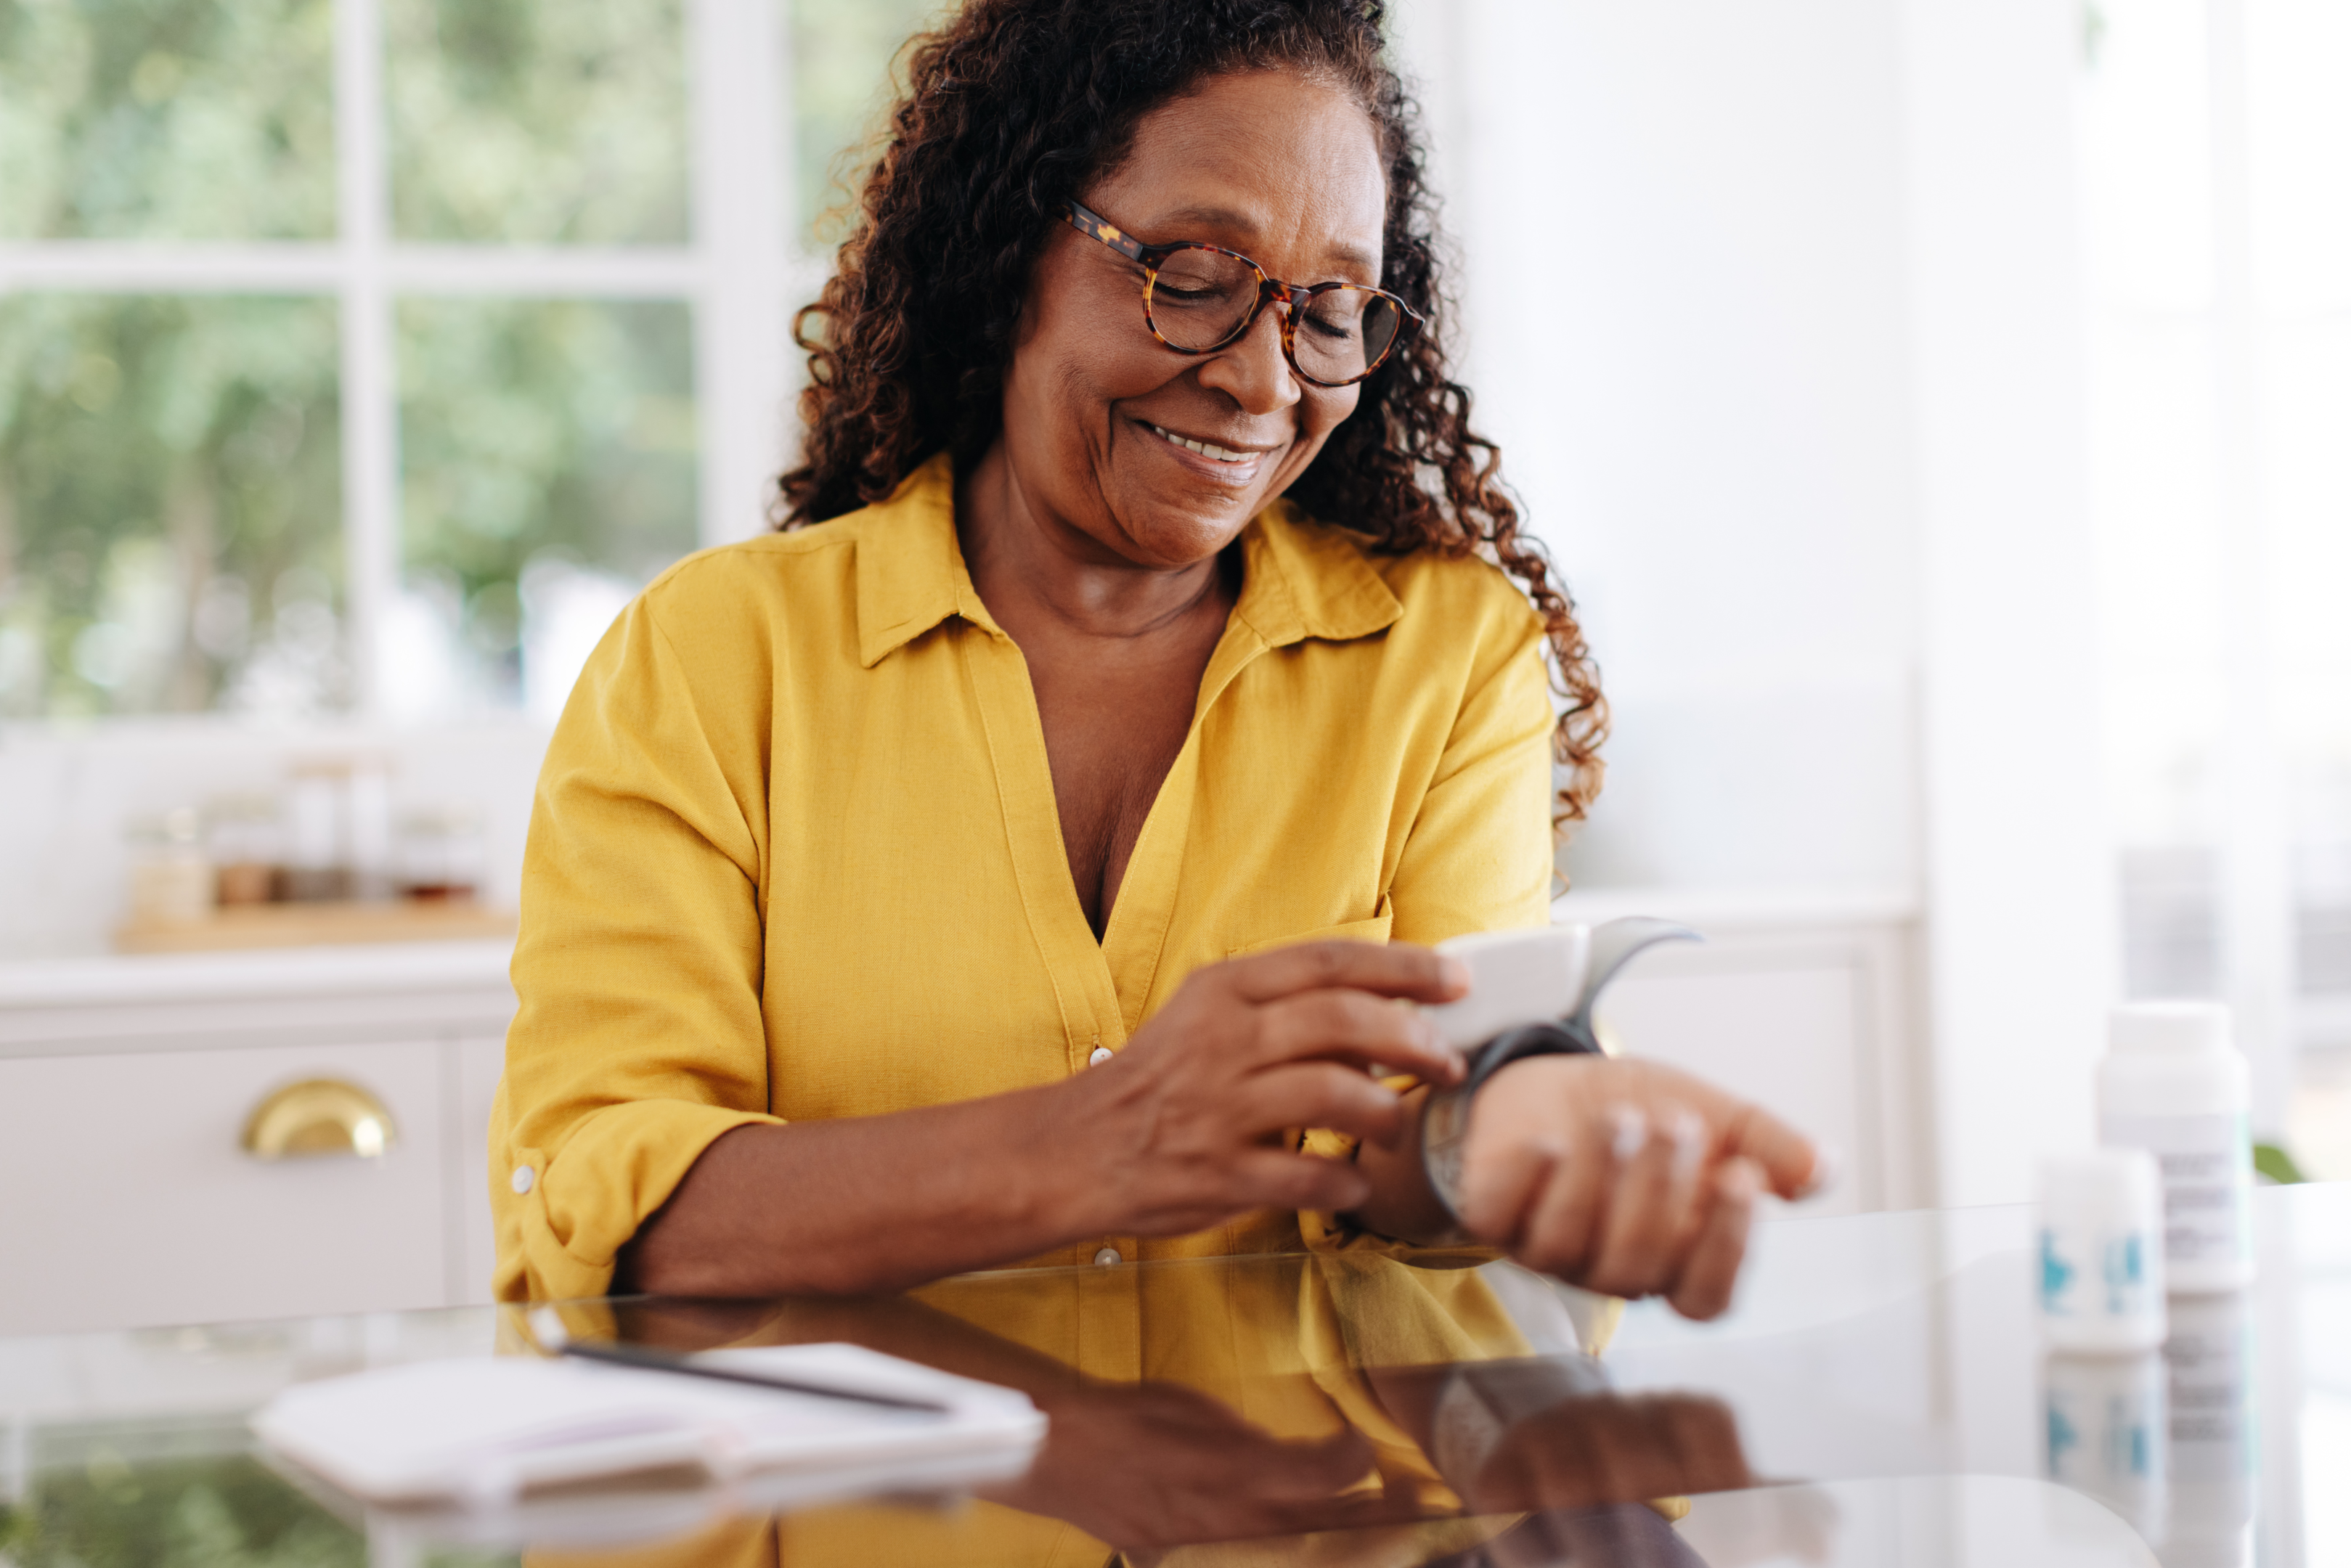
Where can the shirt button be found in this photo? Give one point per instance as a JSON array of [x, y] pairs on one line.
[[523, 1180], [1108, 1255], [1102, 1054]]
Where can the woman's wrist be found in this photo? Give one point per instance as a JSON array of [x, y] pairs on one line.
[[1403, 1205], [1053, 1182]]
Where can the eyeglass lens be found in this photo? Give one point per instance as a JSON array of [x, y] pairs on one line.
[[1201, 296]]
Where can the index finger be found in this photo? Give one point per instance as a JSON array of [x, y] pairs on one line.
[[1395, 969], [1791, 1162]]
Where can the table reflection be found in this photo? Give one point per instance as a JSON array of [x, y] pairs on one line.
[[1385, 1412], [1879, 1397], [2165, 1439]]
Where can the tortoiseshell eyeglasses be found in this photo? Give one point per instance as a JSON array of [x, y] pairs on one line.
[[1198, 298]]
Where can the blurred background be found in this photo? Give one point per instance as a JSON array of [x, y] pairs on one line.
[[1939, 408]]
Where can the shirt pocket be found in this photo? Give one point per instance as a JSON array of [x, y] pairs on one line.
[[1374, 929]]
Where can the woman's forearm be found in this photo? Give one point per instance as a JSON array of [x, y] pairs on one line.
[[864, 1203], [1178, 1132]]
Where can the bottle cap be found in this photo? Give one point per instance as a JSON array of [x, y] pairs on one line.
[[2169, 1027], [2109, 1185]]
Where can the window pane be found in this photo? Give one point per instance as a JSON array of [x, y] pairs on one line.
[[170, 534], [167, 120], [538, 123], [548, 471], [842, 55]]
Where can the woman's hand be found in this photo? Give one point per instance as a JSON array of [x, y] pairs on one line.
[[1582, 1453], [1511, 1437], [1196, 1120], [1625, 1177], [1157, 1465]]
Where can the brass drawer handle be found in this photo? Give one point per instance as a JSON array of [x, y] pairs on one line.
[[318, 1116]]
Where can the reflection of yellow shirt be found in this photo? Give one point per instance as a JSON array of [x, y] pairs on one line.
[[795, 851], [1286, 1343]]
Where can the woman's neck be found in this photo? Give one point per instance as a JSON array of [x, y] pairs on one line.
[[1039, 574]]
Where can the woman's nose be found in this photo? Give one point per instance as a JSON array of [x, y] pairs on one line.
[[1252, 370]]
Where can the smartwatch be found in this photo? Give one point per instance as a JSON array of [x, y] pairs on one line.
[[1444, 1120]]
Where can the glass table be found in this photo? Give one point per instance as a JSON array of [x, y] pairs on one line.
[[1876, 1396]]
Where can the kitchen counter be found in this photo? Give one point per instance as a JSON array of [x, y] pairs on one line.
[[70, 1006]]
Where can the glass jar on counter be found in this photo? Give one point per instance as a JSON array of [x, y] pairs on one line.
[[170, 877], [317, 869], [439, 856], [247, 834]]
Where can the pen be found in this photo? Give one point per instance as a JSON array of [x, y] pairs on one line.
[[647, 1359]]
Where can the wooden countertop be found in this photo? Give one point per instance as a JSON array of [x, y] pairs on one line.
[[243, 927]]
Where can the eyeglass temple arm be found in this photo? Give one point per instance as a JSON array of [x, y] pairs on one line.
[[1094, 225]]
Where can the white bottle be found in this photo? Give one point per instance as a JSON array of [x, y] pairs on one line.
[[2173, 1084], [2101, 1282]]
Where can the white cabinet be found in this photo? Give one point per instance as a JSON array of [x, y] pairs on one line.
[[125, 1084], [126, 1186]]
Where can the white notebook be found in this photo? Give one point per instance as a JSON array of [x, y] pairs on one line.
[[485, 1428]]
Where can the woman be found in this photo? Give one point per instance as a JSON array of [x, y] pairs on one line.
[[993, 865]]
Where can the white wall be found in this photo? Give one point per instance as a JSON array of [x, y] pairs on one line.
[[1683, 226], [1772, 307], [2023, 903]]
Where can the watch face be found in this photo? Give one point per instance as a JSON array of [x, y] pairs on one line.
[[1444, 1135]]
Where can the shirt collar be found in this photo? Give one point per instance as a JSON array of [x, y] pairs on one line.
[[1298, 580], [910, 570]]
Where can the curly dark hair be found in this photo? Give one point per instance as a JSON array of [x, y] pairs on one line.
[[1014, 105]]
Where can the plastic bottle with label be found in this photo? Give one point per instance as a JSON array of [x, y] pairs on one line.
[[2173, 1083], [2102, 1252]]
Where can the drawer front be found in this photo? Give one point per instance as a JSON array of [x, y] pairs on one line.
[[126, 1201], [1789, 1031]]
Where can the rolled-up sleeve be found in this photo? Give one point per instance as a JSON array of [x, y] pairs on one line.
[[1478, 856], [638, 1038]]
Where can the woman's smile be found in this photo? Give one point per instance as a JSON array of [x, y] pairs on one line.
[[1225, 464]]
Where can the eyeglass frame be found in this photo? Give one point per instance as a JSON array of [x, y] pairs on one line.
[[1270, 290]]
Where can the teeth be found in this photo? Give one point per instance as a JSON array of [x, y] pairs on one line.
[[1205, 448]]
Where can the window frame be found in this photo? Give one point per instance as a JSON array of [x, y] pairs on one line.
[[2253, 911], [734, 274]]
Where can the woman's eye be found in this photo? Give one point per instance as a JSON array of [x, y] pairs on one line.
[[1335, 329]]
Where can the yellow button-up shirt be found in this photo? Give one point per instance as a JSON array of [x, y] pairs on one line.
[[795, 851]]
